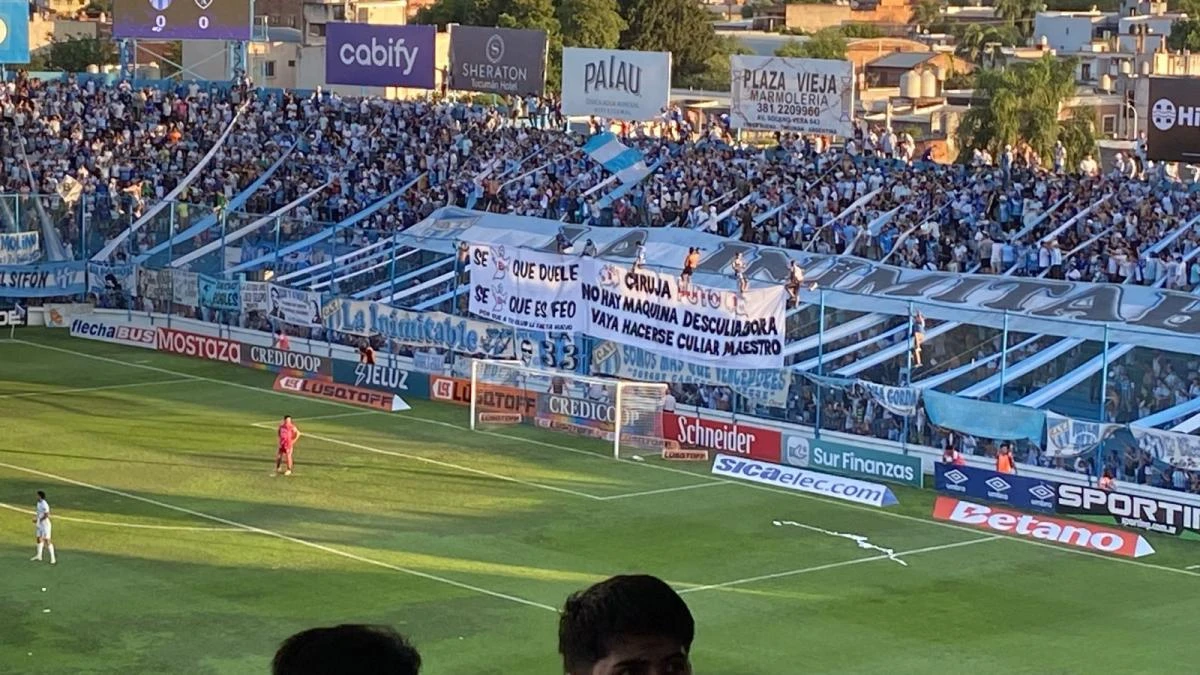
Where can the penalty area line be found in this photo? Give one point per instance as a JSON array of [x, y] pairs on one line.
[[844, 563], [285, 537], [107, 387]]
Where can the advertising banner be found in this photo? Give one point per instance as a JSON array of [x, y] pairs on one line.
[[1173, 134], [217, 293], [367, 54], [450, 390], [1171, 447], [182, 20], [19, 248], [198, 346], [154, 284], [295, 306], [256, 296], [649, 310], [767, 386], [1142, 513], [1080, 535], [382, 378], [801, 480], [575, 415], [526, 288], [852, 460], [421, 329], [616, 84], [341, 393], [11, 318], [814, 96], [119, 334], [14, 32], [1068, 437], [497, 60], [185, 288], [60, 315], [43, 280], [280, 361], [691, 431], [1018, 491]]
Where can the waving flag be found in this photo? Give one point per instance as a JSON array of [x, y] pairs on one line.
[[627, 164]]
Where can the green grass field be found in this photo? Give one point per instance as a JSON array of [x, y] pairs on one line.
[[179, 553]]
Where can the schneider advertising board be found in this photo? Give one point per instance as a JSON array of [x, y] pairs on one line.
[[1173, 134], [852, 460], [792, 94]]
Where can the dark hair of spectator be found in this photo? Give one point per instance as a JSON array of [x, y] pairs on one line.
[[348, 649], [594, 620]]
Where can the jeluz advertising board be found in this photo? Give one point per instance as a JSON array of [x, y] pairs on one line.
[[813, 96], [649, 309], [378, 55], [852, 460], [526, 288], [403, 381], [615, 83], [497, 60]]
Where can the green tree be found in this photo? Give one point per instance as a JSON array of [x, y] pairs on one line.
[[716, 75], [681, 27], [1078, 135], [927, 13], [860, 30], [1185, 34], [591, 23], [1023, 104], [74, 55], [827, 43], [974, 39], [1019, 13]]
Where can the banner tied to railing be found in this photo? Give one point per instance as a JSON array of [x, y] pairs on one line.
[[1067, 437], [19, 248], [1174, 448], [526, 288]]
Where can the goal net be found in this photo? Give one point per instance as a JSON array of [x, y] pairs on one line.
[[626, 414]]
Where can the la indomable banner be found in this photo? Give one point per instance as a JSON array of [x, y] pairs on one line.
[[647, 309]]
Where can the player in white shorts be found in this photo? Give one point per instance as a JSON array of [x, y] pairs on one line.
[[42, 521]]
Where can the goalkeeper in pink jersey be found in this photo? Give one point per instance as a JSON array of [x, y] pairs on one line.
[[288, 435]]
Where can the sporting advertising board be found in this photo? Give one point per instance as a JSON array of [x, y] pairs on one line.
[[792, 94], [1143, 513], [497, 60], [182, 19], [615, 83], [377, 55], [1080, 535]]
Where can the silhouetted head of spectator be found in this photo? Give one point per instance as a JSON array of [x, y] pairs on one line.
[[349, 649], [627, 624]]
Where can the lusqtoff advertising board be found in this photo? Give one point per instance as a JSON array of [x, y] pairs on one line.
[[813, 96]]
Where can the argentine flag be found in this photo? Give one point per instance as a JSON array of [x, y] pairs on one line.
[[618, 158]]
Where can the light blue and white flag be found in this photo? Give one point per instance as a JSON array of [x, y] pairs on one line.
[[626, 163]]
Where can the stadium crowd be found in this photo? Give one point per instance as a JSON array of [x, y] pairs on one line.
[[102, 155]]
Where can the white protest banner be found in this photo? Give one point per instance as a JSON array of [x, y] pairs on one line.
[[648, 309], [185, 288], [899, 400], [294, 306], [767, 386], [154, 284], [526, 288], [255, 296], [19, 248], [106, 278], [617, 84], [1174, 448], [1067, 437], [792, 94]]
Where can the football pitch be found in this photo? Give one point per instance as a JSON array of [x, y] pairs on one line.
[[179, 552]]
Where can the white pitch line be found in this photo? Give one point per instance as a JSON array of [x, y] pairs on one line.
[[445, 465], [56, 392], [1192, 567], [752, 486], [285, 537], [321, 417], [135, 526], [844, 563], [659, 492]]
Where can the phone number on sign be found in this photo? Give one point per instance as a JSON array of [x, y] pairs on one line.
[[795, 109]]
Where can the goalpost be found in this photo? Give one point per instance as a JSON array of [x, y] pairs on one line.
[[627, 414]]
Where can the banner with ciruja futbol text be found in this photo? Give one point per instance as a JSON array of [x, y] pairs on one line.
[[649, 309], [526, 288], [813, 96]]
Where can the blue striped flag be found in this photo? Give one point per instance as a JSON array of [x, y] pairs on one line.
[[627, 163]]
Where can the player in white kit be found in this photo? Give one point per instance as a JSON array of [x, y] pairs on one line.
[[42, 521]]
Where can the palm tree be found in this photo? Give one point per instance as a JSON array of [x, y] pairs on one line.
[[1019, 13], [926, 13]]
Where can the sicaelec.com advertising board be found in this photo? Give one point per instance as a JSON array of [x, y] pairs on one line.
[[377, 55]]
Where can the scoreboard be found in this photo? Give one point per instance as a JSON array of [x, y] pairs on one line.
[[182, 19]]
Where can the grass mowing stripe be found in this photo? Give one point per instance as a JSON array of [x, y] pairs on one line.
[[661, 491], [444, 465], [844, 563], [284, 537], [755, 486], [134, 526], [130, 385], [320, 417]]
